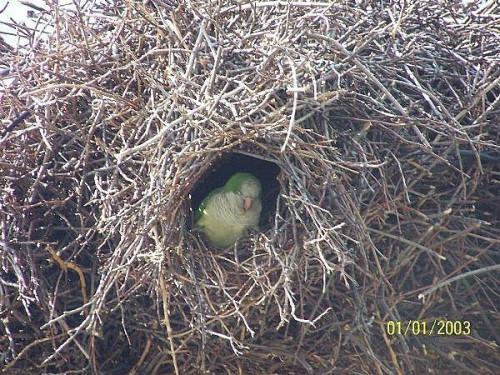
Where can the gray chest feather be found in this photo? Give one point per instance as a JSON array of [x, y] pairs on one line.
[[227, 209]]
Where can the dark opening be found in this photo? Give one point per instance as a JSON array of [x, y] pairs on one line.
[[232, 163]]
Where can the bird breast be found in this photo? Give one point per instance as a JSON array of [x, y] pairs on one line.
[[227, 207]]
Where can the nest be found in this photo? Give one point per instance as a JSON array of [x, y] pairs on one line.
[[375, 133]]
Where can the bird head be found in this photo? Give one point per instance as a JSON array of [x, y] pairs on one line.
[[246, 185]]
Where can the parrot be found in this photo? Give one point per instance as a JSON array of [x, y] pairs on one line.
[[228, 212]]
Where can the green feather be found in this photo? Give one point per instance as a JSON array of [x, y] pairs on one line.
[[199, 211], [237, 179]]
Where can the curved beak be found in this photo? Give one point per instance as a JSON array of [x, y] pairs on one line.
[[247, 203]]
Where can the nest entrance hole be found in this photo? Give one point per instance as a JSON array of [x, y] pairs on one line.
[[231, 163]]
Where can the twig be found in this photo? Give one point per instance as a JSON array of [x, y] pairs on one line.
[[459, 277]]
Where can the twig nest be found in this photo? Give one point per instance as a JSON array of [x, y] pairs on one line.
[[367, 126]]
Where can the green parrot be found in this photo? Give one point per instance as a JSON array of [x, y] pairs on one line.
[[226, 213]]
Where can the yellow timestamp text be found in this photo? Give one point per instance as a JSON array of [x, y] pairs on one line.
[[421, 327]]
